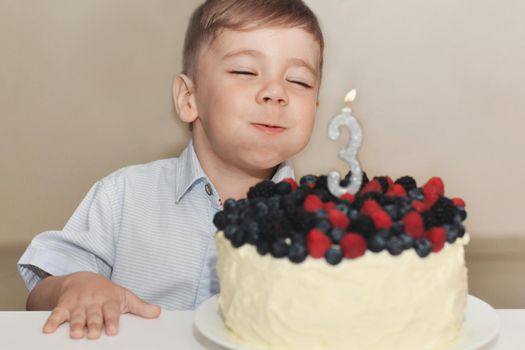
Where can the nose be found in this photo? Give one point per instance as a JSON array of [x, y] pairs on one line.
[[273, 92]]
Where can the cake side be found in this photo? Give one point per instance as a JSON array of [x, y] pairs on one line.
[[376, 301]]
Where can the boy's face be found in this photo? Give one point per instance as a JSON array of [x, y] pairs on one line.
[[256, 94]]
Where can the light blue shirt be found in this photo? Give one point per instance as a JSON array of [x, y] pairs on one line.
[[146, 227]]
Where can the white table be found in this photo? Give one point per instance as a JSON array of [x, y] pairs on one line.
[[173, 330]]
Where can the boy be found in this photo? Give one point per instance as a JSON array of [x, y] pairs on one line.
[[144, 234]]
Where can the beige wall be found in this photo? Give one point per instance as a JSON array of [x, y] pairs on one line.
[[85, 89]]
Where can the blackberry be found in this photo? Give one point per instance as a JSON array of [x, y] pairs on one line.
[[322, 182], [282, 187], [299, 195], [220, 220], [297, 253], [429, 219], [423, 247], [395, 245], [376, 243], [273, 203], [323, 194], [444, 211], [262, 189], [279, 248], [334, 255], [407, 182], [363, 225]]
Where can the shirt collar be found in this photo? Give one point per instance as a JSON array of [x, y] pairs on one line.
[[189, 171]]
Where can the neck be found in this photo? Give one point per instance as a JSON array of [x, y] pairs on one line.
[[229, 180]]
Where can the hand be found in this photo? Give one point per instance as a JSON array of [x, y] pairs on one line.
[[87, 299]]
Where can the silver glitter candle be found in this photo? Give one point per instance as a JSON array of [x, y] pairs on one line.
[[349, 154]]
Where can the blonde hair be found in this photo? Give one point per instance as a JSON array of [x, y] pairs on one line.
[[213, 16]]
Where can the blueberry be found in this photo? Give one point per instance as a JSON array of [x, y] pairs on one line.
[[232, 218], [417, 194], [307, 179], [461, 230], [336, 234], [262, 247], [462, 214], [323, 225], [383, 233], [251, 230], [393, 211], [239, 238], [423, 247], [230, 230], [230, 205], [334, 255], [395, 245], [343, 208], [282, 187], [353, 214], [376, 243], [397, 227], [298, 238], [322, 214], [260, 208], [220, 220], [297, 253], [408, 241], [279, 248]]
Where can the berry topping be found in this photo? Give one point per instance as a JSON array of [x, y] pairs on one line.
[[370, 206], [434, 186], [338, 219], [308, 181], [334, 255], [292, 183], [348, 197], [396, 191], [262, 189], [414, 224], [282, 187], [381, 219], [297, 253], [377, 243], [317, 243], [395, 245], [423, 247], [353, 245], [372, 186]]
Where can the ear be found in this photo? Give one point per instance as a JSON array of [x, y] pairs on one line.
[[184, 98]]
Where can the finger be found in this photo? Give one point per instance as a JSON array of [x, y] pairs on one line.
[[111, 311], [77, 323], [58, 316], [137, 306], [94, 321]]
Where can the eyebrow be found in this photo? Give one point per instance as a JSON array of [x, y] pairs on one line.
[[254, 53]]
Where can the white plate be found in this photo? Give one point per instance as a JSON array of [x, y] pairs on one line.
[[481, 325]]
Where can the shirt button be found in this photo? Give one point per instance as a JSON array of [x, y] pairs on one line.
[[207, 187]]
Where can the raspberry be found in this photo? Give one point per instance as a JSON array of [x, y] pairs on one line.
[[418, 205], [292, 183], [353, 245], [414, 224], [372, 186], [317, 243], [312, 203], [329, 206], [338, 219], [459, 202], [348, 197], [430, 200], [370, 206], [437, 235], [381, 220], [396, 191], [434, 185]]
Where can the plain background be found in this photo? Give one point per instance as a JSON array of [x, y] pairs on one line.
[[85, 88]]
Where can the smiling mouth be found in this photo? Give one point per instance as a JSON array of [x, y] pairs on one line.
[[268, 129]]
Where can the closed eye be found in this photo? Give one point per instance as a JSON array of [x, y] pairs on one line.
[[303, 84], [242, 72]]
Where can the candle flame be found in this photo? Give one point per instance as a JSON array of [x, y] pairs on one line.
[[350, 97]]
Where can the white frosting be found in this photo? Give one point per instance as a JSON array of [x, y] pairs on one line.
[[377, 301]]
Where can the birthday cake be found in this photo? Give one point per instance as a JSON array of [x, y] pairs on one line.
[[300, 268]]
